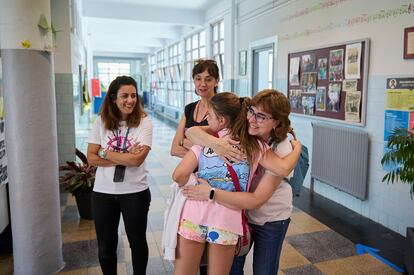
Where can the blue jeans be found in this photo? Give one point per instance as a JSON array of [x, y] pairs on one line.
[[268, 240]]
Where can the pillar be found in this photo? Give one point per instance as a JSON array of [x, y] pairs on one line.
[[31, 136]]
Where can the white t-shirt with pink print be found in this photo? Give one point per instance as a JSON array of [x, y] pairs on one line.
[[135, 179]]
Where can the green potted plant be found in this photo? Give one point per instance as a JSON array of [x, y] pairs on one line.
[[78, 179], [401, 154], [401, 158]]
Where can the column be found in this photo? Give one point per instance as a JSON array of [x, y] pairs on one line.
[[31, 136]]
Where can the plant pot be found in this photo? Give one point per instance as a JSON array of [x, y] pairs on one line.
[[84, 203], [409, 251]]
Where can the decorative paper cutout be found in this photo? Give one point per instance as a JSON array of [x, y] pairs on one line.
[[26, 44], [42, 23]]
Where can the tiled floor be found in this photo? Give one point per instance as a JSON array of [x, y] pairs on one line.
[[311, 247]]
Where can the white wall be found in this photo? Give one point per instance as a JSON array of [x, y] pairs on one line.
[[389, 205], [18, 22], [61, 20]]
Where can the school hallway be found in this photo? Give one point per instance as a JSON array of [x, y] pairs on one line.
[[311, 246]]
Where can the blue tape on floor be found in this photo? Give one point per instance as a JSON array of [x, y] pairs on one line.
[[362, 249]]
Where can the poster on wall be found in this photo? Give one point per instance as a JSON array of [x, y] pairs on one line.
[[352, 103], [349, 85], [308, 104], [308, 62], [96, 87], [3, 157], [320, 99], [336, 65], [393, 119], [294, 71], [322, 64], [399, 111], [400, 94], [295, 99], [353, 61], [308, 82], [334, 97]]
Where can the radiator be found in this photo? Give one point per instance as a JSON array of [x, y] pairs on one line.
[[340, 158]]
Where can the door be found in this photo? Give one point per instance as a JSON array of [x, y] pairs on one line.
[[262, 73]]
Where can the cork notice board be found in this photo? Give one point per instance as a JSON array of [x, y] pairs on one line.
[[329, 83]]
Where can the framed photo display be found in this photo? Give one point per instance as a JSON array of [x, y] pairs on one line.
[[329, 83]]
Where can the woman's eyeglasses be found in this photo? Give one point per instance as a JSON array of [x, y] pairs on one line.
[[260, 118]]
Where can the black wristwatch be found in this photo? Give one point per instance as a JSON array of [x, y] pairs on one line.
[[212, 193]]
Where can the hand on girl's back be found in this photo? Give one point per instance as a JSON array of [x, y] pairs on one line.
[[198, 192], [228, 150]]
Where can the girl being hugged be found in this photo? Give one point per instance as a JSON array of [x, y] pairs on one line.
[[208, 222], [118, 144], [270, 196]]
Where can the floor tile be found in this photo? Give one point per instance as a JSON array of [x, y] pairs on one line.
[[352, 226], [337, 267], [307, 223], [80, 254], [6, 264], [163, 179], [311, 249], [368, 264], [154, 164], [158, 204], [78, 235], [336, 243], [291, 258], [82, 271], [293, 229], [306, 269]]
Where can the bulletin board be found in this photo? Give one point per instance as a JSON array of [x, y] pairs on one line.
[[330, 83]]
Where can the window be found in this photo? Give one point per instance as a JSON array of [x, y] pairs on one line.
[[218, 48], [160, 85], [108, 71], [195, 48], [174, 83], [270, 76], [153, 68]]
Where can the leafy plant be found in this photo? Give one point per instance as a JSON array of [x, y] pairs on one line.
[[401, 154], [80, 177]]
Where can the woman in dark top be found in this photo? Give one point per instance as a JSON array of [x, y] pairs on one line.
[[206, 78]]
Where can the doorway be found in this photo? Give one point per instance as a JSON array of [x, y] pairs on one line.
[[262, 54]]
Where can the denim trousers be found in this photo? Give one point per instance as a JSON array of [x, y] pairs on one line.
[[107, 209], [268, 240]]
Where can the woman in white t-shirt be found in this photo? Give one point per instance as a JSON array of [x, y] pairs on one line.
[[270, 197], [118, 144]]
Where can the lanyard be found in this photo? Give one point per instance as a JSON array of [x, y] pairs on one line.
[[118, 139]]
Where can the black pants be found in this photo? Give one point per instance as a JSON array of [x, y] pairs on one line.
[[107, 209]]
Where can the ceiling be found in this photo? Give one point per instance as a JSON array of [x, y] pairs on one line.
[[136, 28]]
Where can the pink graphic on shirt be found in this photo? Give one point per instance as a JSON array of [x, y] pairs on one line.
[[114, 141]]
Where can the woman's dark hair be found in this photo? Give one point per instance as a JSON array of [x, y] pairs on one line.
[[211, 67], [110, 114], [275, 103], [234, 109]]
